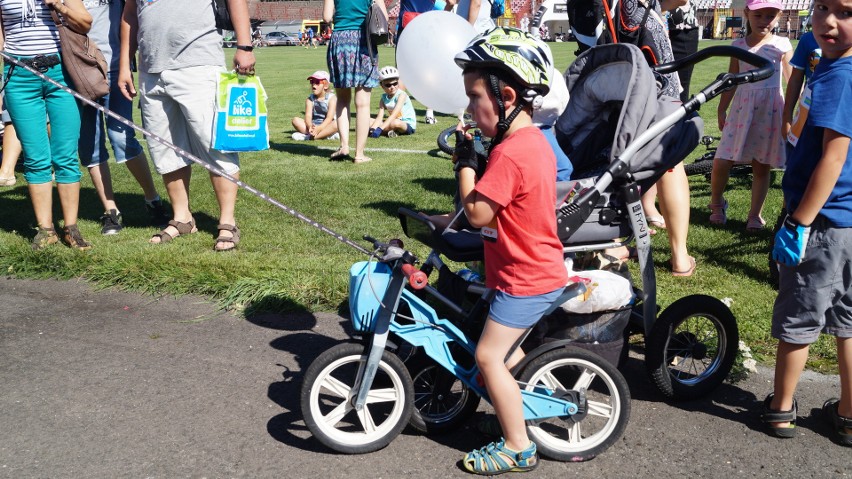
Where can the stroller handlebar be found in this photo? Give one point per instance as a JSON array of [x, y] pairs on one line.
[[763, 70]]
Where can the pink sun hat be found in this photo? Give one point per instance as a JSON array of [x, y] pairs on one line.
[[319, 75], [758, 4]]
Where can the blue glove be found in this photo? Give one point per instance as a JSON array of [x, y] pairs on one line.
[[790, 242], [377, 132]]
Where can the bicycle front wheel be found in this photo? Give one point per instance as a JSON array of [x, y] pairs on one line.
[[328, 395]]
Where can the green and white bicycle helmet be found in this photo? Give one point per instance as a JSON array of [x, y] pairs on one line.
[[388, 73], [526, 58]]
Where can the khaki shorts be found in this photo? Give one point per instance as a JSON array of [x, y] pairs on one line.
[[179, 106], [816, 296]]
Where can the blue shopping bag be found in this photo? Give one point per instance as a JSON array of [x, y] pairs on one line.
[[241, 114]]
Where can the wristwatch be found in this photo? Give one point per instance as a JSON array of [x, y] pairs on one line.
[[245, 48]]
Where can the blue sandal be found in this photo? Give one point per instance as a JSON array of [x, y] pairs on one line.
[[496, 458]]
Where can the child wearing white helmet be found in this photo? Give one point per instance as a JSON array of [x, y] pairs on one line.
[[401, 118], [507, 72]]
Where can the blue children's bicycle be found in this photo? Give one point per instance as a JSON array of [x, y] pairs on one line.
[[358, 396]]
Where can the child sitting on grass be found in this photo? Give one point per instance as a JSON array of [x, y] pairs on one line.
[[317, 123], [505, 72], [401, 118]]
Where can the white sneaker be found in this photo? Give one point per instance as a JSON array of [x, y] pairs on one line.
[[335, 136], [299, 136], [430, 120]]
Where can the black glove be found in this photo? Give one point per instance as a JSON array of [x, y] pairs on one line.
[[465, 155]]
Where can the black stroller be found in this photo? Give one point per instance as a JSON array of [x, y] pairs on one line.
[[621, 137]]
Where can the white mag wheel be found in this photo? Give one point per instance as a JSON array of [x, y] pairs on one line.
[[606, 410], [328, 399]]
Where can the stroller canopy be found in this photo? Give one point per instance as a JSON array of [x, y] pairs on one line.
[[614, 98]]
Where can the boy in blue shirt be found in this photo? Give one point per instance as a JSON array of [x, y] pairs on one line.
[[814, 246]]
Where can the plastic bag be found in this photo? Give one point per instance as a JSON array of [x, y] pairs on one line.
[[241, 114], [605, 291]]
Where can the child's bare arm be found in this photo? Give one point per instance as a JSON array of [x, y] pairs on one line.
[[835, 147], [786, 68], [396, 112], [380, 116], [791, 96], [725, 100], [309, 114], [479, 209], [329, 117]]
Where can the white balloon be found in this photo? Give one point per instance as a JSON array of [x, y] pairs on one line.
[[424, 57]]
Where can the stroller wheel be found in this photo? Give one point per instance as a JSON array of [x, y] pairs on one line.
[[692, 347]]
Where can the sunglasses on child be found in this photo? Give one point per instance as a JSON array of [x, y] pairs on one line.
[[390, 84], [314, 81]]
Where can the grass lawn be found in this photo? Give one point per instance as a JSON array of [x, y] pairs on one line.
[[283, 264]]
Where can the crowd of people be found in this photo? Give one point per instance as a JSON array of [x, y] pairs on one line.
[[180, 57], [508, 74]]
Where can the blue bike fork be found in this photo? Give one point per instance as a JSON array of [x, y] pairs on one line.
[[379, 338]]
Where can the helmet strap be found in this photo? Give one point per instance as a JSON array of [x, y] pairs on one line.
[[503, 121]]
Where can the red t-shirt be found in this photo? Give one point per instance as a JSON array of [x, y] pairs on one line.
[[523, 255]]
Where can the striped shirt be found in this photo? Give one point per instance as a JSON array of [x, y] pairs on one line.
[[31, 33]]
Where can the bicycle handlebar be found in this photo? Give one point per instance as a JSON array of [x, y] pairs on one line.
[[393, 250], [416, 279]]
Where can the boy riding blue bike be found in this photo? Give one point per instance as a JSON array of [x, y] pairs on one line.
[[506, 73]]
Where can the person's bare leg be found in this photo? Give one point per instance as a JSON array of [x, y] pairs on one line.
[[649, 202], [362, 120], [789, 364], [226, 195], [344, 98], [719, 180], [504, 392], [759, 187], [177, 187], [299, 124], [69, 200], [673, 194], [844, 364], [325, 132], [141, 171], [11, 152], [102, 180], [41, 196]]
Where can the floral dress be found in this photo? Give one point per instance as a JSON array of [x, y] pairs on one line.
[[753, 127]]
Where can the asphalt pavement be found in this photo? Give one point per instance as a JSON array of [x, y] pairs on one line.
[[108, 384]]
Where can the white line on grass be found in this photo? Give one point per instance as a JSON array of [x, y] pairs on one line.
[[390, 150]]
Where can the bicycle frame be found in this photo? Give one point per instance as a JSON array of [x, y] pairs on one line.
[[435, 335]]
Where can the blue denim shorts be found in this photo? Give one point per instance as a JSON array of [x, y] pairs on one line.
[[521, 312], [94, 124]]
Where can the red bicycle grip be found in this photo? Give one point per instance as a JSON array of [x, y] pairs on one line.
[[416, 279]]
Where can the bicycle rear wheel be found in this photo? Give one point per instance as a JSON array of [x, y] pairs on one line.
[[604, 411]]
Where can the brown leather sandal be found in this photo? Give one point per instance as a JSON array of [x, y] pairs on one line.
[[234, 238], [75, 239], [182, 229], [44, 238]]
